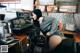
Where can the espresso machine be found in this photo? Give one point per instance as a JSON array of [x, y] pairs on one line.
[[2, 26], [5, 29]]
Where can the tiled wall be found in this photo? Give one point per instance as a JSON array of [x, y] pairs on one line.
[[67, 18], [77, 20]]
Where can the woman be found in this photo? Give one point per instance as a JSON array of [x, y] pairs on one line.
[[48, 27], [36, 15]]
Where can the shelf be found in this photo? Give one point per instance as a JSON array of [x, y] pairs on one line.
[[72, 9], [66, 3]]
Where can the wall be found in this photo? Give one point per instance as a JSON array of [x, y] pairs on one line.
[[27, 4], [24, 4]]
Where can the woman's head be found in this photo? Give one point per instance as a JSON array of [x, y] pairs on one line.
[[36, 14]]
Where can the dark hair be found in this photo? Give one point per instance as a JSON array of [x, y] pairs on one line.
[[38, 13]]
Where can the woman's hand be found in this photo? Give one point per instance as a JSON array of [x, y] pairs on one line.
[[48, 33]]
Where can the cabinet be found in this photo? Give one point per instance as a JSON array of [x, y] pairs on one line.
[[22, 38]]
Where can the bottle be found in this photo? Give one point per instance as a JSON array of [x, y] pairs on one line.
[[60, 25]]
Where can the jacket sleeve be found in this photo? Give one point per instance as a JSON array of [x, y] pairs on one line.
[[54, 27], [50, 25], [46, 24]]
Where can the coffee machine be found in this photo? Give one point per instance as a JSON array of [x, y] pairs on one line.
[[5, 30], [1, 26]]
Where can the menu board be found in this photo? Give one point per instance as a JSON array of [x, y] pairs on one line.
[[46, 2], [52, 8], [42, 8], [67, 9]]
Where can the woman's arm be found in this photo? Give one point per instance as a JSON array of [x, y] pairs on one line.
[[54, 27]]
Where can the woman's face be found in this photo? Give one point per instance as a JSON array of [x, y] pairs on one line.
[[34, 16]]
